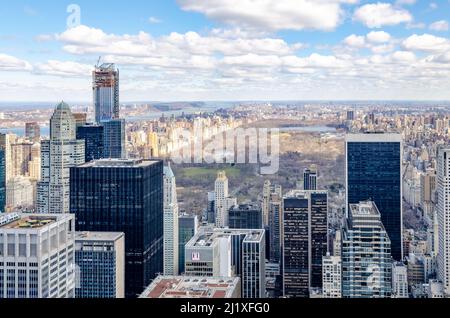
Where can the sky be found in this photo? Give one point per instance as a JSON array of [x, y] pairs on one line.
[[213, 50]]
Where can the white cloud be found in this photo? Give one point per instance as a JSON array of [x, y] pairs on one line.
[[272, 15], [154, 20], [406, 2], [63, 68], [378, 37], [381, 14], [441, 25], [426, 43], [355, 41], [11, 63]]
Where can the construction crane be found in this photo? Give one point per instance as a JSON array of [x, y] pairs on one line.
[[98, 61]]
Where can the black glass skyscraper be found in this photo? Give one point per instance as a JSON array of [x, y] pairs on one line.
[[93, 137], [124, 196], [114, 138], [305, 241], [245, 216], [2, 180], [373, 172]]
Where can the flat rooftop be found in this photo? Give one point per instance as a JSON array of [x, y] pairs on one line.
[[207, 236], [366, 208], [98, 236], [25, 221], [374, 137], [192, 287], [118, 163]]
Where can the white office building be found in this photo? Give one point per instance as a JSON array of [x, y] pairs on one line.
[[443, 211], [170, 223], [37, 256], [58, 155], [332, 276]]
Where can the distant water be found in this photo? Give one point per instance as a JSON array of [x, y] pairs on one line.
[[45, 131], [312, 129]]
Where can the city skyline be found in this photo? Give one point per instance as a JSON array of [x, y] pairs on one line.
[[267, 50]]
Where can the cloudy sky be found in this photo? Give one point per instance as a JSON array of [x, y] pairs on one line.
[[172, 50]]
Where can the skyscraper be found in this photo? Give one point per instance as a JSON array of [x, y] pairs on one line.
[[245, 216], [93, 140], [33, 131], [58, 154], [266, 201], [105, 87], [305, 241], [310, 178], [443, 213], [124, 196], [100, 260], [114, 138], [366, 254], [2, 177], [37, 256], [374, 172], [221, 192], [170, 223], [275, 223], [187, 228]]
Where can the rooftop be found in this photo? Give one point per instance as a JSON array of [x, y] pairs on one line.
[[25, 221], [118, 163], [98, 236], [207, 236], [192, 287]]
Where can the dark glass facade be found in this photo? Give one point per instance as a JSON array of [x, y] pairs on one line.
[[2, 180], [305, 226], [114, 138], [187, 227], [245, 216], [319, 235], [374, 173], [295, 248], [124, 196], [93, 137]]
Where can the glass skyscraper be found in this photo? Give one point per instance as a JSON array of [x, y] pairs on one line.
[[373, 172], [2, 180], [245, 216], [105, 88], [114, 138], [305, 241], [93, 138], [124, 196], [187, 228]]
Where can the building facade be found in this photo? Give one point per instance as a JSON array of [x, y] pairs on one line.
[[366, 254], [58, 155], [105, 86], [374, 172], [124, 196], [305, 237], [245, 216], [187, 228], [100, 264], [170, 223], [37, 256]]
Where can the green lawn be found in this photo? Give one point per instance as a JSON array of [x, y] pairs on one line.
[[207, 172]]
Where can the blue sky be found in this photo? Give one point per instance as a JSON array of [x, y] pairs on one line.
[[228, 49]]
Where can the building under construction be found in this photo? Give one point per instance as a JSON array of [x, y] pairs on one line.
[[106, 92]]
